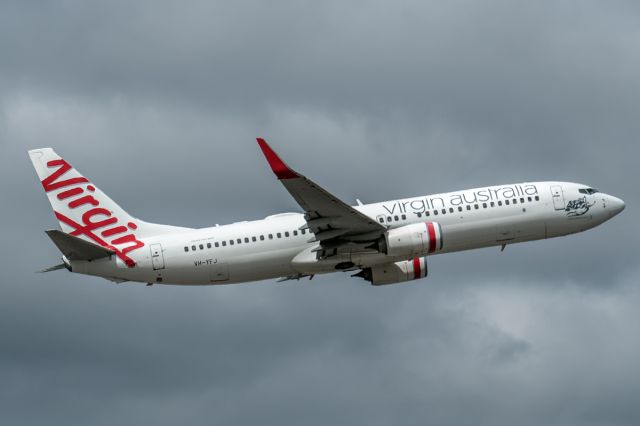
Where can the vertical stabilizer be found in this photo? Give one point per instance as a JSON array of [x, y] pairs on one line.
[[86, 212]]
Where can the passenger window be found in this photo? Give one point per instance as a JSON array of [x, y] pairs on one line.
[[475, 206], [279, 235], [515, 201], [492, 204], [499, 203], [208, 245], [419, 214], [404, 217], [427, 213], [396, 218], [381, 220], [459, 208], [468, 207], [193, 248], [286, 234], [230, 242], [522, 200], [450, 209], [506, 202], [529, 199], [246, 239], [484, 205], [254, 239], [537, 198], [224, 244], [217, 244], [271, 236], [239, 240], [444, 211], [261, 237], [435, 212], [389, 219], [186, 249]]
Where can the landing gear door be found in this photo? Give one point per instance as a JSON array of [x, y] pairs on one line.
[[157, 258], [558, 197]]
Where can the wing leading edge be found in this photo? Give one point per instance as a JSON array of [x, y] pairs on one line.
[[334, 223]]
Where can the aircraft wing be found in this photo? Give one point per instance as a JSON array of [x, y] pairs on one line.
[[334, 223]]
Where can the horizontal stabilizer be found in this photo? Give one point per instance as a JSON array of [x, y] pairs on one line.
[[52, 268], [75, 248]]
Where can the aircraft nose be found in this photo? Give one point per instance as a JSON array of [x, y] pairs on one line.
[[617, 205]]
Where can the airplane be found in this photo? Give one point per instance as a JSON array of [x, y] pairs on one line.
[[384, 243]]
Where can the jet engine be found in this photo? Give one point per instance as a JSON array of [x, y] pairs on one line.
[[395, 272], [412, 240]]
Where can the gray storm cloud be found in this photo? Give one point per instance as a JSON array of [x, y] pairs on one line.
[[159, 104]]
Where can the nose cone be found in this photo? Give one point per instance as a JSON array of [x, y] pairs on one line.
[[616, 205]]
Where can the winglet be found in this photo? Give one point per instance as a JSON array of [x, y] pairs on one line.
[[279, 167]]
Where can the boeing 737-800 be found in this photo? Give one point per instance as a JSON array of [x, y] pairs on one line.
[[384, 243]]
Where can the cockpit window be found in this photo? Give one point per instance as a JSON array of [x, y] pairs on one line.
[[588, 191]]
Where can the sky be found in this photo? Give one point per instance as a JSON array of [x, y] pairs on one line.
[[159, 103]]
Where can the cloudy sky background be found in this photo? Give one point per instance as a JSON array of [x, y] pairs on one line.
[[159, 104]]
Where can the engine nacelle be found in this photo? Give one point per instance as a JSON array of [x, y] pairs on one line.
[[396, 272], [413, 240]]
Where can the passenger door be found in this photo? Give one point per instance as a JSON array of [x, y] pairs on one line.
[[157, 258], [558, 197]]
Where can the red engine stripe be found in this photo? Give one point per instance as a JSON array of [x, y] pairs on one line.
[[432, 237], [416, 268]]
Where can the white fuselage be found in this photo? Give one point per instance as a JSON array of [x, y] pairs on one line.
[[279, 245]]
